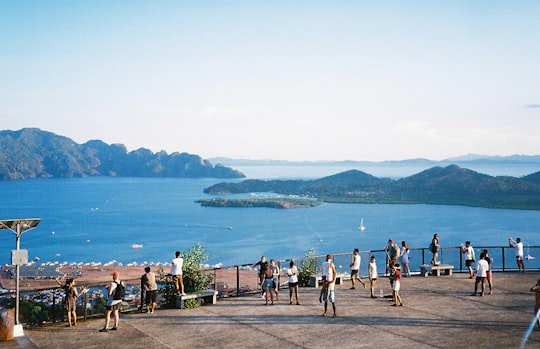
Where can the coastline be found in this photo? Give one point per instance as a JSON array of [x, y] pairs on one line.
[[86, 275]]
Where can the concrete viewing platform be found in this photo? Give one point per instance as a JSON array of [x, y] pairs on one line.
[[438, 312]]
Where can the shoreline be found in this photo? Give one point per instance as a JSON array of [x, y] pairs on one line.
[[95, 274]]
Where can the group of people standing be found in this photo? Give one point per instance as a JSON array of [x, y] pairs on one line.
[[269, 280]]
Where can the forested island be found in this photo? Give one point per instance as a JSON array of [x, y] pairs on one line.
[[450, 185], [33, 153]]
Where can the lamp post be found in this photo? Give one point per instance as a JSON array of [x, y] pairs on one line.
[[18, 227]]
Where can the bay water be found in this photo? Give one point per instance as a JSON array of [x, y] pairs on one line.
[[99, 219]]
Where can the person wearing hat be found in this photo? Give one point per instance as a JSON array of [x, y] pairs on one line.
[[113, 305]]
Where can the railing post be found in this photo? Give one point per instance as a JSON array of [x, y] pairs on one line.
[[85, 313], [237, 280], [503, 259], [279, 275], [53, 313], [423, 256]]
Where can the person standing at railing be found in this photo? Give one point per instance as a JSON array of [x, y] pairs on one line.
[[71, 299], [176, 271], [404, 258], [434, 247], [468, 250], [149, 284], [393, 252], [113, 303], [518, 246], [489, 274]]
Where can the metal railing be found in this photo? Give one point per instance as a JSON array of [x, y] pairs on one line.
[[243, 279]]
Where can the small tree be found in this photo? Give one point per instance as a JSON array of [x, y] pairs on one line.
[[194, 278], [308, 267]]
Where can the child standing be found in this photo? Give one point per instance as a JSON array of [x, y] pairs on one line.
[[396, 285]]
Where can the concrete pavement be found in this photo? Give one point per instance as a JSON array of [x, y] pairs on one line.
[[438, 312]]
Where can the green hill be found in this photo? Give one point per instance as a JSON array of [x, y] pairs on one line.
[[450, 185]]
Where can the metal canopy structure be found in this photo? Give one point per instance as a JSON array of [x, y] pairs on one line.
[[25, 224], [18, 227]]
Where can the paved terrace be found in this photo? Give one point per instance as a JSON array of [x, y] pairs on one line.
[[438, 312]]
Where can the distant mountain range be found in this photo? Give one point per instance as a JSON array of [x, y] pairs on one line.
[[451, 185], [33, 153], [460, 160]]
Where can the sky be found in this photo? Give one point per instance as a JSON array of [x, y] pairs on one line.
[[284, 80]]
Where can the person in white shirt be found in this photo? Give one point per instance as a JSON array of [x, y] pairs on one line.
[[176, 272], [372, 274], [518, 246], [468, 250], [482, 267], [292, 274], [355, 268]]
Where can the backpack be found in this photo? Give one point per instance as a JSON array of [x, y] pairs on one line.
[[119, 291], [395, 250]]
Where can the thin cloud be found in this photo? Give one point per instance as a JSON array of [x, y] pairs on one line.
[[533, 106]]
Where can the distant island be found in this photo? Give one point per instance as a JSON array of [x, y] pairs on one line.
[[269, 202], [450, 185], [33, 153]]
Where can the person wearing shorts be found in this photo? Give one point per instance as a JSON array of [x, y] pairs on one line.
[[292, 274], [396, 286], [113, 305], [489, 273], [176, 271], [149, 285], [328, 287], [268, 285], [372, 274], [355, 268]]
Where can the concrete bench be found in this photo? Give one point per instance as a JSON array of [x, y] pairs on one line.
[[435, 270], [316, 280], [209, 296]]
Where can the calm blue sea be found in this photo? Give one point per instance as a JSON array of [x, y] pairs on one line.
[[98, 219]]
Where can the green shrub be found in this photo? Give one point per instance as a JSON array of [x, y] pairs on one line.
[[308, 267]]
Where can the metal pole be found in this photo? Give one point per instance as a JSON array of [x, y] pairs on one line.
[[17, 269], [237, 280]]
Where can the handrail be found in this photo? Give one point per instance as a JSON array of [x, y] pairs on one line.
[[448, 255]]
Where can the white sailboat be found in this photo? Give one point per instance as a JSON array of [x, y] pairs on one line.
[[361, 227], [529, 257]]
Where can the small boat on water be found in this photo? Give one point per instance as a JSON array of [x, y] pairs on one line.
[[528, 256], [136, 246], [361, 227]]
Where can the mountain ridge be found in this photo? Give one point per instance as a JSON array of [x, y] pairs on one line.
[[33, 153], [450, 185]]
